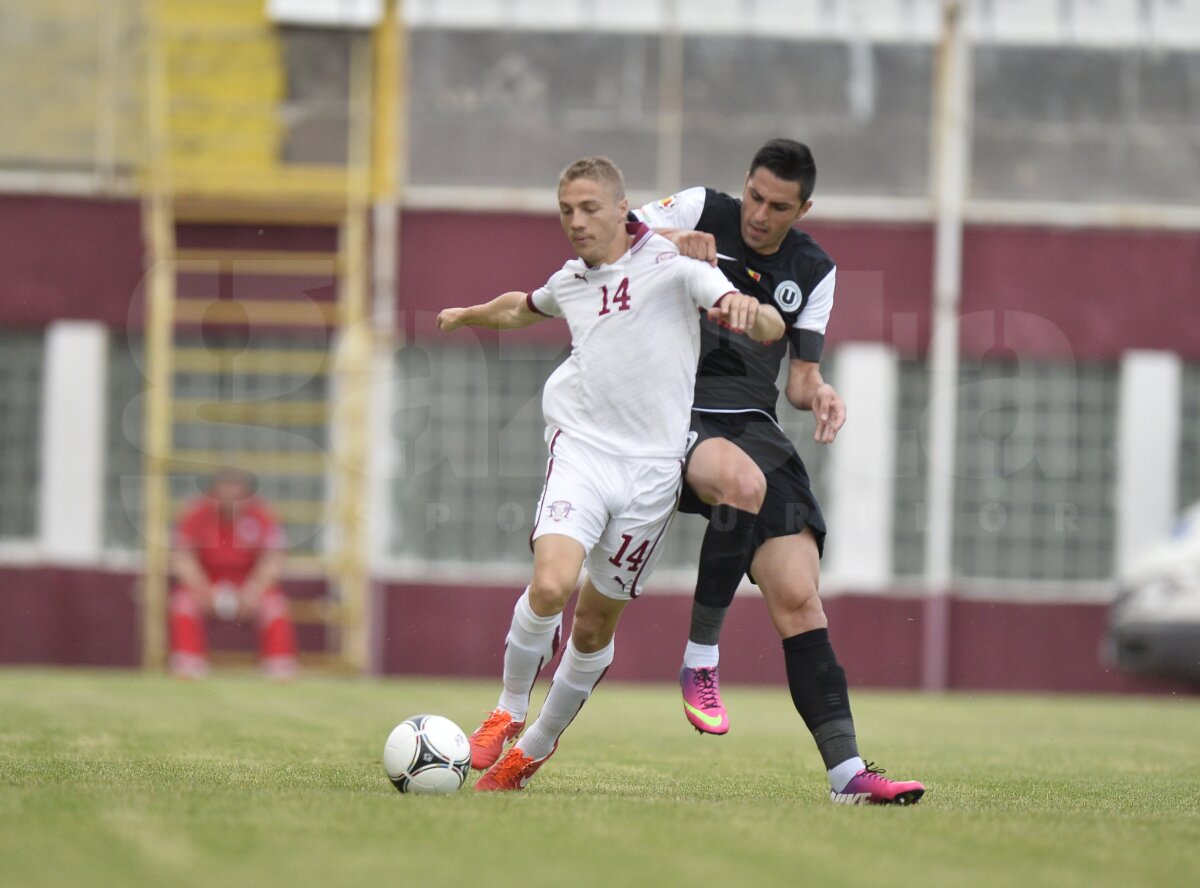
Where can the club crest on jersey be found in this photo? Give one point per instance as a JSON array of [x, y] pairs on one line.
[[248, 530], [560, 510], [667, 202], [787, 296]]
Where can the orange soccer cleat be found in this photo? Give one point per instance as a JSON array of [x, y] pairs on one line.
[[513, 771], [489, 738]]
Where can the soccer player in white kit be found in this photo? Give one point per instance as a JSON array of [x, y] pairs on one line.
[[617, 425]]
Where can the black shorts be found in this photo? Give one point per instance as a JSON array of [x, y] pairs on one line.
[[790, 505]]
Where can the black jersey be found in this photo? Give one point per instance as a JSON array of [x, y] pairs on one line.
[[735, 372]]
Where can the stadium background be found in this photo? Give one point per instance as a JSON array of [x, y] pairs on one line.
[[1039, 174]]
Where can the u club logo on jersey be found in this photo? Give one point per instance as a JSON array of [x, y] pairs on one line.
[[787, 296]]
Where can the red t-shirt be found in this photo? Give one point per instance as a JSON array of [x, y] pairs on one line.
[[228, 550]]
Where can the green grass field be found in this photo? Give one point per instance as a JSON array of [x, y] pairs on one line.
[[116, 779]]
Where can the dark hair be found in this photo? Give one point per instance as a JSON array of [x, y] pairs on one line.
[[233, 474], [789, 160]]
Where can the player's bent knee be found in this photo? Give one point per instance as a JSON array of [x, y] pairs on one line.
[[799, 611], [810, 603], [549, 595], [595, 620], [591, 632], [747, 488]]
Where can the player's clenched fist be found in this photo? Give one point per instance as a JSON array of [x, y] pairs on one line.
[[697, 245], [737, 311], [450, 319]]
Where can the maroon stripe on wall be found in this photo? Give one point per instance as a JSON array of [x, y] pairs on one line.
[[884, 274], [87, 617], [884, 282], [65, 257], [318, 238], [460, 630], [69, 617], [55, 616], [1036, 292], [1023, 646], [1085, 294], [450, 259]]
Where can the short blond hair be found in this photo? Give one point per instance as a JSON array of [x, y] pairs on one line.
[[598, 169]]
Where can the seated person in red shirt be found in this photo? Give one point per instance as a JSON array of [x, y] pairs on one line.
[[227, 558]]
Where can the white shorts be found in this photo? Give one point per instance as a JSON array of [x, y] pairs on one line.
[[618, 508]]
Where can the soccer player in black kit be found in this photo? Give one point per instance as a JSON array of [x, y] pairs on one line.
[[745, 475]]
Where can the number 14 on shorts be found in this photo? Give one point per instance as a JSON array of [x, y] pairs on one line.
[[633, 560]]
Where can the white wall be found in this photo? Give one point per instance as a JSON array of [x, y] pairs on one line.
[[862, 469], [70, 500], [1147, 451]]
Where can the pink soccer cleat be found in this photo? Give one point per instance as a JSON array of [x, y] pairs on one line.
[[869, 787], [487, 742], [702, 700]]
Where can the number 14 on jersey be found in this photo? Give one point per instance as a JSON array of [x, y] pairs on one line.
[[620, 298]]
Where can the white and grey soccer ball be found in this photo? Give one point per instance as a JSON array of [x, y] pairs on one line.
[[427, 754]]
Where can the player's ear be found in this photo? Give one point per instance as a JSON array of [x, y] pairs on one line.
[[623, 206], [804, 208]]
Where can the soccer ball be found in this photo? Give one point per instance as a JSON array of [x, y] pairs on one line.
[[427, 754]]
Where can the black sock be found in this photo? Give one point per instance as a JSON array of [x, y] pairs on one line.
[[820, 694], [706, 623], [724, 555], [836, 741]]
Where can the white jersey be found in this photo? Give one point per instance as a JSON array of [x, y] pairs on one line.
[[635, 339]]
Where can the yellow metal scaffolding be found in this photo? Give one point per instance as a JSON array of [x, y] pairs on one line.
[[215, 81]]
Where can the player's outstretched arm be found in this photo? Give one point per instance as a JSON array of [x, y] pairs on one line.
[[507, 311], [745, 314], [807, 390]]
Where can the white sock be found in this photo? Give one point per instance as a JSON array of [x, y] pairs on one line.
[[531, 642], [574, 680], [697, 655], [840, 775]]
